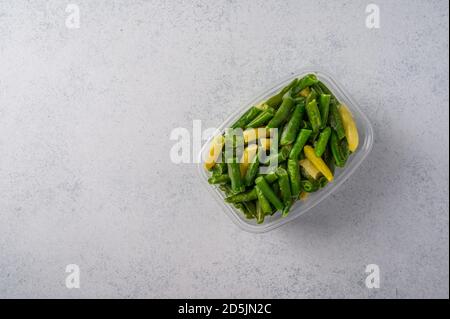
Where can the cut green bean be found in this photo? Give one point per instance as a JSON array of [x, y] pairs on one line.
[[293, 170], [324, 109], [283, 111], [234, 172], [292, 128], [339, 153], [248, 116], [263, 201], [304, 82], [301, 140], [219, 179], [313, 115], [262, 184], [336, 121], [242, 197], [262, 119], [285, 189], [276, 100], [322, 142], [252, 172]]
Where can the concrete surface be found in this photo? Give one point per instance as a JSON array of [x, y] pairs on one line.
[[85, 175]]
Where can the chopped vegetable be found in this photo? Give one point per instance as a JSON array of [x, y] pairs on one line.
[[309, 168], [318, 162], [322, 141], [214, 151], [291, 129], [351, 131]]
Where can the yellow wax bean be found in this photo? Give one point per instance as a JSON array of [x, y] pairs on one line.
[[214, 151], [309, 168], [252, 134], [350, 128], [318, 162]]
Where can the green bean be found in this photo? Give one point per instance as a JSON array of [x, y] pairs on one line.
[[339, 154], [336, 121], [324, 108], [219, 179], [301, 140], [304, 82], [294, 176], [263, 202], [234, 172], [313, 115], [283, 111], [262, 184], [242, 197], [285, 189], [275, 100], [322, 142], [309, 186], [252, 172], [262, 118], [291, 129], [247, 117]]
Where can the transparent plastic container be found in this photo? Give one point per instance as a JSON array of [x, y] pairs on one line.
[[365, 131]]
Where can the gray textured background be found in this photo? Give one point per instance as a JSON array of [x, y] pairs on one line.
[[85, 176]]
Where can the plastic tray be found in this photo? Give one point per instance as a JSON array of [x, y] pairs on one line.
[[341, 174]]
